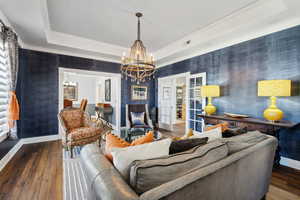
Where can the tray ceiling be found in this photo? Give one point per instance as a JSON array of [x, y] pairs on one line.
[[104, 29]]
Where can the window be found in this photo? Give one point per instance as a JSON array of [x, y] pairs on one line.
[[4, 92]]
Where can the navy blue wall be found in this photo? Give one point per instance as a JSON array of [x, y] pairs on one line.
[[238, 68], [37, 89]]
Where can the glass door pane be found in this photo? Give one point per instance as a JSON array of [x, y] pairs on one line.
[[196, 102]]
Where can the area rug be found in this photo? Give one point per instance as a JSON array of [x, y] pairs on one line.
[[74, 179]]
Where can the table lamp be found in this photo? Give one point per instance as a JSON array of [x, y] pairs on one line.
[[273, 89], [210, 91]]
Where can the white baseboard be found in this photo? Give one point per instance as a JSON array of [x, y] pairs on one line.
[[290, 163], [10, 155], [15, 149], [40, 139]]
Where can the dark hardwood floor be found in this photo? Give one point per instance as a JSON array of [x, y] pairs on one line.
[[35, 173]]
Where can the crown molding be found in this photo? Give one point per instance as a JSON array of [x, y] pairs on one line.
[[200, 50], [69, 53]]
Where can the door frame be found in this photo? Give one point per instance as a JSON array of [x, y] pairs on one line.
[[61, 72], [186, 75]]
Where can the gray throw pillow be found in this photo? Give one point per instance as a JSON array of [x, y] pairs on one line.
[[184, 145]]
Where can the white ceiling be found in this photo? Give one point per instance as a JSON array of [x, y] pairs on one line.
[[104, 29]]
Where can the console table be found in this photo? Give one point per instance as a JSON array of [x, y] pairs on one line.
[[267, 127]]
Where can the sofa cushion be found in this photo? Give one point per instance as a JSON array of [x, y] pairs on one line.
[[111, 142], [137, 118], [230, 132], [224, 126], [149, 137], [123, 157], [240, 142], [186, 144], [212, 135], [148, 174]]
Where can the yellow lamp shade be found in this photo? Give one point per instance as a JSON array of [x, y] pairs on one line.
[[210, 91], [275, 88]]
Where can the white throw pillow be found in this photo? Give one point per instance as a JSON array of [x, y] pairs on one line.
[[123, 157], [211, 134]]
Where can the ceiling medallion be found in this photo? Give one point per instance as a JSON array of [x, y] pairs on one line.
[[138, 66]]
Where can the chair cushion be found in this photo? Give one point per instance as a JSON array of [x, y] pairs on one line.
[[111, 142], [83, 132], [149, 137], [73, 118], [138, 118], [148, 174]]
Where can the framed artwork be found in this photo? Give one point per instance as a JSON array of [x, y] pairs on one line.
[[71, 91], [139, 92], [167, 93], [108, 90]]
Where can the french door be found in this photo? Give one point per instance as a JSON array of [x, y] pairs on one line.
[[195, 104]]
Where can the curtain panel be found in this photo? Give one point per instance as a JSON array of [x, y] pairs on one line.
[[10, 40]]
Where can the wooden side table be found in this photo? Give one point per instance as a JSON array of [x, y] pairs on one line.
[[252, 124]]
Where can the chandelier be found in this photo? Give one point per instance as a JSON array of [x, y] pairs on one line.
[[138, 66]]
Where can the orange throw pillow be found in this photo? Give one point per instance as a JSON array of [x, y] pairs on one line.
[[111, 142], [224, 126], [149, 137]]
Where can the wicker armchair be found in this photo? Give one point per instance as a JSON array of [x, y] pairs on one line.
[[77, 128]]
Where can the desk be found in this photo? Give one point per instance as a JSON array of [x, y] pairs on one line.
[[252, 124]]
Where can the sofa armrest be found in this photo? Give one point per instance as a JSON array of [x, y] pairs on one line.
[[109, 185], [168, 188], [104, 181]]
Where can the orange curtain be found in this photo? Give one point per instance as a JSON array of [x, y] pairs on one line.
[[13, 110]]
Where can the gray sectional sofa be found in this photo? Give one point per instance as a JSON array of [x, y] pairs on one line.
[[237, 168]]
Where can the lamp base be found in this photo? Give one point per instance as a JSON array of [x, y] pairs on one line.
[[273, 114], [210, 109]]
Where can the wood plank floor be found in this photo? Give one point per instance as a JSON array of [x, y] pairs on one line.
[[35, 173]]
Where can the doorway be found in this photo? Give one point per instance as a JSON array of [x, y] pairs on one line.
[[172, 96], [179, 102], [99, 88]]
